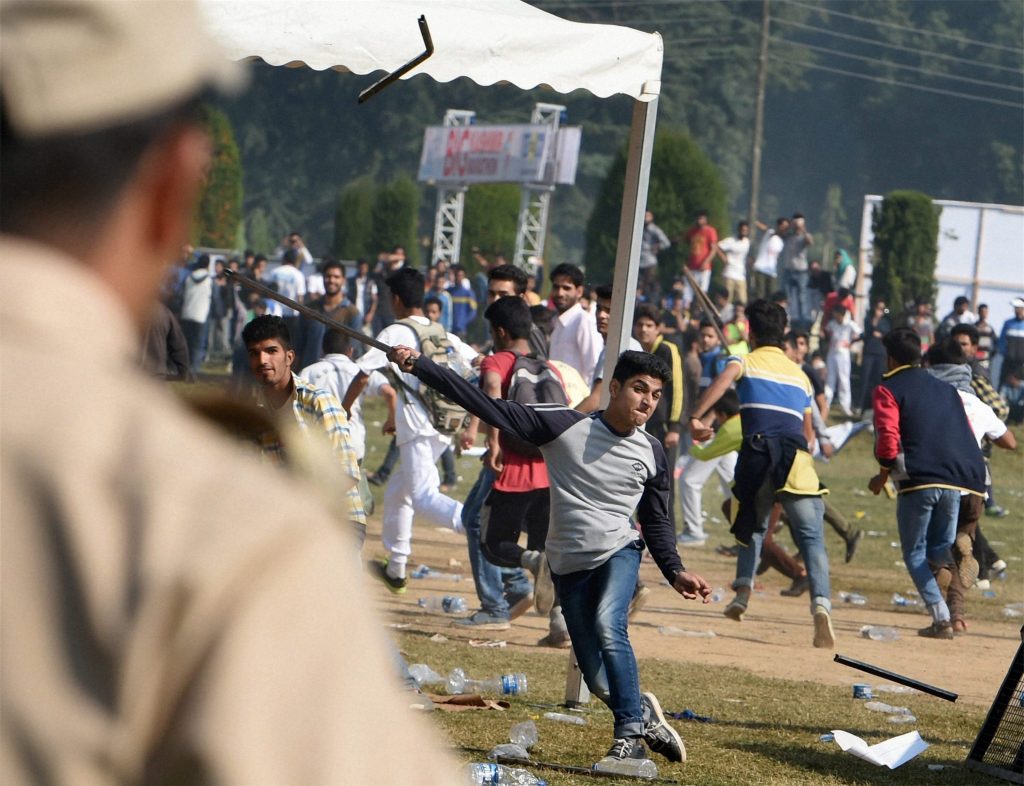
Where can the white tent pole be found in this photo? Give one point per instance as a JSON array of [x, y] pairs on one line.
[[631, 226]]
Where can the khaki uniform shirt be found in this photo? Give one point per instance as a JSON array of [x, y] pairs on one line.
[[173, 611]]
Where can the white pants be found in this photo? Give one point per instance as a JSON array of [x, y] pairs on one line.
[[837, 379], [413, 490], [691, 483], [703, 279]]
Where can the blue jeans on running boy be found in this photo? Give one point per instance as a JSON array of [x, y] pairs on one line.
[[926, 520], [494, 585], [595, 604], [806, 515]]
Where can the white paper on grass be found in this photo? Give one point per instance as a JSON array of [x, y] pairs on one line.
[[891, 753]]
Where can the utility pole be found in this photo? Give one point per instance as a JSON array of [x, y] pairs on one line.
[[762, 78]]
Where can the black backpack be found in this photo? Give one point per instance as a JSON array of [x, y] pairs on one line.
[[533, 381]]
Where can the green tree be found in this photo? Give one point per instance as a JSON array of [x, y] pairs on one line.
[[353, 219], [393, 220], [834, 231], [219, 214], [683, 181], [906, 228], [259, 236], [489, 222]]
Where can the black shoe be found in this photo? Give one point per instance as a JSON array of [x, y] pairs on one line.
[[937, 630], [626, 748], [851, 544], [376, 478], [659, 736], [797, 588], [379, 570]]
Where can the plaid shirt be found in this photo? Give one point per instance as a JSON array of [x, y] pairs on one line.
[[989, 395], [311, 406]]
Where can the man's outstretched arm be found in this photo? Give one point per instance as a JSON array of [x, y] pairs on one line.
[[530, 424]]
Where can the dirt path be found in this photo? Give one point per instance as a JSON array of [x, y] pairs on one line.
[[774, 638]]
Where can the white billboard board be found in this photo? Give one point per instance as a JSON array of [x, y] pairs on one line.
[[499, 154], [981, 256]]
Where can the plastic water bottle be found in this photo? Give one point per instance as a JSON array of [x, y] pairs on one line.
[[508, 750], [561, 717], [426, 572], [449, 604], [717, 595], [506, 684], [878, 633], [853, 597], [524, 734], [881, 706], [489, 774], [634, 768], [424, 675], [899, 600], [459, 365]]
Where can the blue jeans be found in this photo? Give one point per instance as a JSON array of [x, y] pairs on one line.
[[805, 515], [794, 284], [595, 604], [494, 585], [926, 520]]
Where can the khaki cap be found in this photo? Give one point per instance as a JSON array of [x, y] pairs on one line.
[[73, 66]]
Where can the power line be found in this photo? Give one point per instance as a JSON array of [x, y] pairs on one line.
[[890, 64], [896, 83], [876, 42], [918, 30]]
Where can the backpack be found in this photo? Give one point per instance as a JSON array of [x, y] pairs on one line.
[[446, 416], [533, 381]]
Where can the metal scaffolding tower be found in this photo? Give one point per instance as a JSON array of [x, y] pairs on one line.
[[535, 198], [451, 200]]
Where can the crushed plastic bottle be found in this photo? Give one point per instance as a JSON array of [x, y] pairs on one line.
[[827, 737], [888, 688], [881, 706], [900, 600], [524, 734], [508, 750], [878, 633], [854, 598], [449, 604], [633, 768], [561, 717], [426, 572], [490, 774], [718, 595], [424, 675], [506, 684], [671, 630], [907, 718]]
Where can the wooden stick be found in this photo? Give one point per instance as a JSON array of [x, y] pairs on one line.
[[708, 306], [924, 687], [306, 311]]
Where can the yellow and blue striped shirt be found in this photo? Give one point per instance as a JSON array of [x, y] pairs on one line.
[[774, 393]]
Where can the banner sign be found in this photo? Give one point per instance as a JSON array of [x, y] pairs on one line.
[[490, 154]]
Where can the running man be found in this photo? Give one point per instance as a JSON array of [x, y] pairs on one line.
[[601, 468]]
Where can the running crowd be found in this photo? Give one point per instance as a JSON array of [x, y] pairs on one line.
[[711, 385]]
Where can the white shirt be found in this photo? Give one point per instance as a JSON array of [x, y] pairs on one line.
[[767, 261], [842, 334], [575, 341], [292, 284], [411, 418], [736, 250], [335, 373]]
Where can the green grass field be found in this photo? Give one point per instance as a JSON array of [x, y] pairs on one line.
[[765, 731]]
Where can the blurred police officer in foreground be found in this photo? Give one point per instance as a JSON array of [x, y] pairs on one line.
[[173, 612]]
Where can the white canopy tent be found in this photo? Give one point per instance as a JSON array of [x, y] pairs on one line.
[[489, 41]]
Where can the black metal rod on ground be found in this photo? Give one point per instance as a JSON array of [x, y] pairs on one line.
[[924, 687], [307, 311]]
